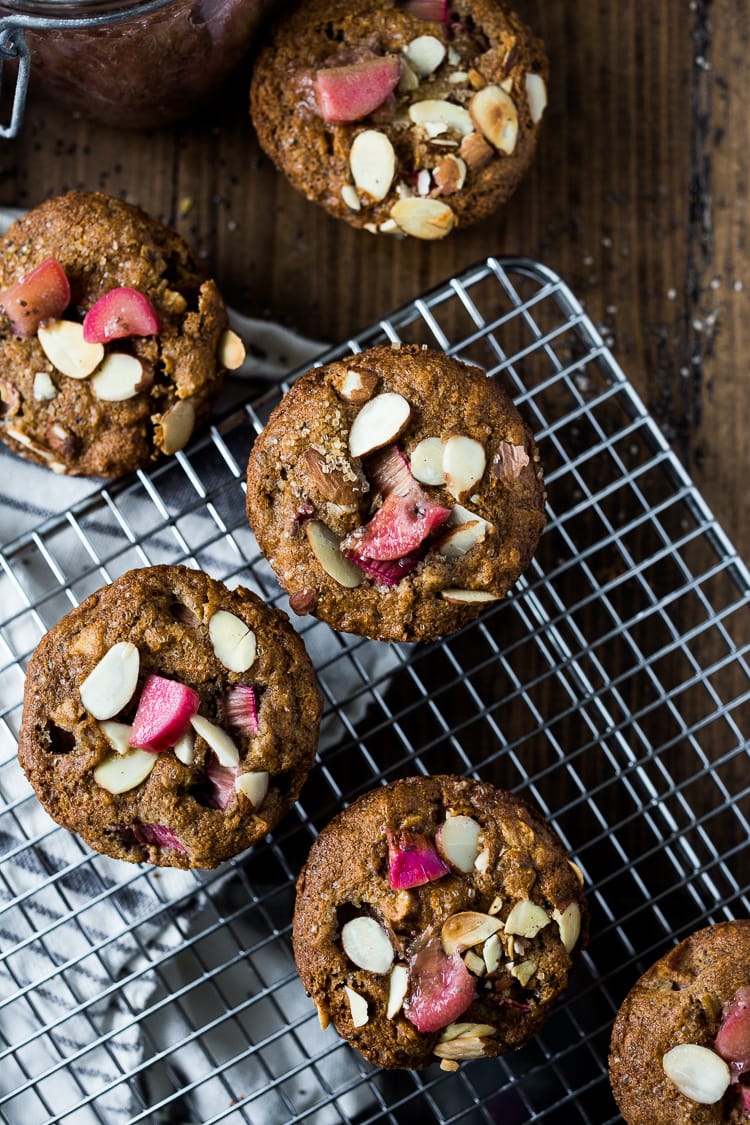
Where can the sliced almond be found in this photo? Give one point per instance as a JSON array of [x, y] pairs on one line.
[[424, 54], [232, 640], [357, 1007], [461, 1030], [327, 550], [474, 963], [491, 951], [424, 182], [64, 346], [467, 928], [475, 151], [231, 351], [367, 944], [372, 161], [23, 439], [457, 841], [577, 871], [350, 197], [119, 773], [467, 597], [526, 919], [60, 439], [329, 481], [397, 989], [524, 972], [464, 462], [177, 425], [494, 113], [184, 748], [536, 96], [323, 1018], [509, 461], [303, 601], [254, 786], [117, 378], [110, 685], [463, 1047], [408, 80], [426, 461], [569, 925], [218, 739], [44, 389], [380, 421], [496, 905], [357, 384], [117, 735], [459, 540], [438, 112], [476, 79], [450, 174], [482, 862], [697, 1072], [428, 219]]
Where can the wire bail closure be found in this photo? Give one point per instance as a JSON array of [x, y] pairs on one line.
[[13, 46]]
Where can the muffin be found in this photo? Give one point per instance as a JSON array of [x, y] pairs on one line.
[[113, 346], [680, 1049], [437, 918], [407, 118], [169, 718], [395, 493]]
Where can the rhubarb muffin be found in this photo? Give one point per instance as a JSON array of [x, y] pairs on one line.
[[396, 493], [406, 117], [113, 345], [169, 718], [680, 1049], [437, 919]]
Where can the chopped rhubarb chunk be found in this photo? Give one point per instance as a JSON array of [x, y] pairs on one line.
[[388, 471], [219, 788], [120, 312], [389, 572], [745, 1091], [158, 834], [733, 1037], [441, 988], [164, 713], [434, 10], [412, 861], [239, 708], [43, 294], [399, 527], [349, 93]]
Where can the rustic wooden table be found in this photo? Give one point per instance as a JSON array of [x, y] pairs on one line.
[[638, 198]]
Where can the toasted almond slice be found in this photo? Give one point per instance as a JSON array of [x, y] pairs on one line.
[[350, 197], [184, 748], [429, 219], [117, 377], [467, 597], [254, 786], [397, 989], [465, 929], [372, 161], [380, 421], [463, 1047], [457, 840], [577, 871], [526, 919], [323, 1018], [474, 963], [424, 54], [367, 944], [475, 151], [536, 96], [450, 174], [117, 735], [327, 550], [24, 439], [459, 540], [218, 739], [177, 425], [496, 905], [426, 461], [482, 862], [569, 925], [44, 389], [491, 953], [64, 346], [464, 462], [231, 350], [447, 114], [697, 1072], [357, 1006], [494, 113], [232, 640], [524, 972], [358, 384], [408, 80], [119, 773], [109, 686], [460, 1030]]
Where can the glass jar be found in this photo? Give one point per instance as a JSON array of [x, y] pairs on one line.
[[132, 64]]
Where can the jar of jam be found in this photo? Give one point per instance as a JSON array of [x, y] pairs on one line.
[[128, 63]]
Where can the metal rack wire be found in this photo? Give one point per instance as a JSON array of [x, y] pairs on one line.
[[612, 689]]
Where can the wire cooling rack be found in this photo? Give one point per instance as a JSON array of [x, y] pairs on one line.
[[611, 689]]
